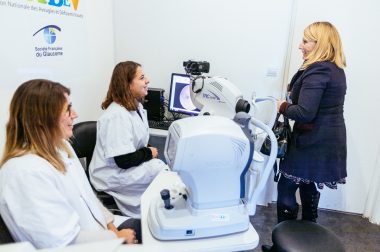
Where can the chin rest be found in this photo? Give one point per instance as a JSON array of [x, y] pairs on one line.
[[301, 235]]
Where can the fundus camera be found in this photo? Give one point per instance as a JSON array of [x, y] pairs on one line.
[[196, 67]]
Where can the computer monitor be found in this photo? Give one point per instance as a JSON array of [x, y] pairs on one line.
[[179, 96]]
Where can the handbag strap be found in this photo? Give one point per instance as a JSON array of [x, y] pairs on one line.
[[277, 173], [276, 121], [286, 120]]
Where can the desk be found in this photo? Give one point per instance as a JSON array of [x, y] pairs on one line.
[[17, 247], [158, 132], [107, 245], [235, 242]]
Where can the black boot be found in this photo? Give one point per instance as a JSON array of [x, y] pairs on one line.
[[286, 213], [267, 248], [310, 206]]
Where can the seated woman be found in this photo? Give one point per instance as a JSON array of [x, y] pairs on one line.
[[45, 196], [123, 165]]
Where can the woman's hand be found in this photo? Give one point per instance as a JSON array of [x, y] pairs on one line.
[[279, 102], [129, 235], [154, 152]]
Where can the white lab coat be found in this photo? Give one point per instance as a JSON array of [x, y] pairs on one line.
[[49, 208], [120, 132]]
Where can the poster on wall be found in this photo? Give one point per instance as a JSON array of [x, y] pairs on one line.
[[42, 39]]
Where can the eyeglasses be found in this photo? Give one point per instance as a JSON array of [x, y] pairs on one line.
[[69, 107]]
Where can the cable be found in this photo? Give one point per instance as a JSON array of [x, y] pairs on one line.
[[193, 83]]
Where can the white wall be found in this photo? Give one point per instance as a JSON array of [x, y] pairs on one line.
[[85, 66], [358, 23], [91, 87], [245, 41]]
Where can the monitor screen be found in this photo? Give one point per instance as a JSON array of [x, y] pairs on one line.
[[179, 96]]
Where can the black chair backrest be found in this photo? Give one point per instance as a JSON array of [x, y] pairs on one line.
[[5, 236], [84, 140]]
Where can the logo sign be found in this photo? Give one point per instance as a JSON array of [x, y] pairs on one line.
[[49, 49], [49, 33], [209, 95], [60, 3]]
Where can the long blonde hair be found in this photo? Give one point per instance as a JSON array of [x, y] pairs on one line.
[[328, 45], [33, 125]]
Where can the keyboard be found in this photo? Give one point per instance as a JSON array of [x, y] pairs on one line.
[[164, 125]]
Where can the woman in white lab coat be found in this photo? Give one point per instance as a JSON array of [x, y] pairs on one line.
[[123, 165], [45, 197]]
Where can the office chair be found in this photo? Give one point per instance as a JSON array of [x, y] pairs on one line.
[[5, 236], [83, 142], [302, 235]]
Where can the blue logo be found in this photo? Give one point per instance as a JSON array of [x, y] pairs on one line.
[[49, 47], [49, 33], [211, 96]]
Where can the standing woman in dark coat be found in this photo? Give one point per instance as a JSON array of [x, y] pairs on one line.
[[317, 153]]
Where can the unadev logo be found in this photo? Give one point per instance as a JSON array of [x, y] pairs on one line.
[[49, 32], [49, 35], [59, 3]]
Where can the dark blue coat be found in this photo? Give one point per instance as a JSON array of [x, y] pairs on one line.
[[318, 149]]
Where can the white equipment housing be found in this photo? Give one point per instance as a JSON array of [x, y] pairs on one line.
[[215, 96], [210, 154]]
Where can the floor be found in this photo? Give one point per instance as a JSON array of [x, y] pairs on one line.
[[356, 233]]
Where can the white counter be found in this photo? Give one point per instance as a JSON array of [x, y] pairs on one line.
[[235, 242]]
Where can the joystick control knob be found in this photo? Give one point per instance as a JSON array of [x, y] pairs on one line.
[[165, 196]]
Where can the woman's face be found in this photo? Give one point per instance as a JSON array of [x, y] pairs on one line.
[[67, 119], [306, 47], [139, 85]]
